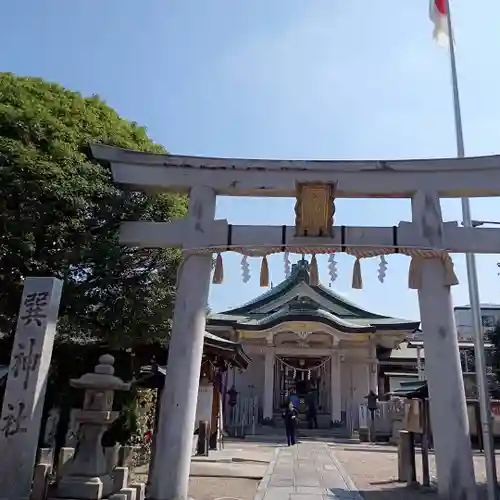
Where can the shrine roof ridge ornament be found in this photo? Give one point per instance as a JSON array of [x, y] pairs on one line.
[[450, 177]]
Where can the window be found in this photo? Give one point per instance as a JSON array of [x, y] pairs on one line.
[[488, 321], [467, 360]]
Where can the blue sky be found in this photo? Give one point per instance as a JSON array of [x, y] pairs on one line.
[[337, 79]]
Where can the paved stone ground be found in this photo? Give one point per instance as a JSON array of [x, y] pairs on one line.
[[312, 470], [374, 468], [217, 487], [213, 488], [231, 474], [306, 471]]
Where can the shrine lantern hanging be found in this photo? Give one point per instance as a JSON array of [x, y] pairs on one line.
[[233, 396]]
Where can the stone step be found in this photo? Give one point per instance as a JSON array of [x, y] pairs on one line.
[[323, 421], [331, 433]]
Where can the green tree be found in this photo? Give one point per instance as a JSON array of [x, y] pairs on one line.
[[493, 361], [60, 213]]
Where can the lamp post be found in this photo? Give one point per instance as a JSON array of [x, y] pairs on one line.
[[480, 358]]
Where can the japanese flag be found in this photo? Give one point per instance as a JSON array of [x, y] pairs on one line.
[[439, 17]]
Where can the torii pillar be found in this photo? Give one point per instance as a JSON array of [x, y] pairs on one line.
[[176, 424], [450, 424]]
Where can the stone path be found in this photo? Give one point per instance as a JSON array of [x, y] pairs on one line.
[[306, 471]]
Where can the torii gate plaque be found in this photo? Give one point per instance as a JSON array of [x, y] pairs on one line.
[[314, 210], [427, 240]]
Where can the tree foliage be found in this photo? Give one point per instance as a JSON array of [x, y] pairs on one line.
[[60, 213], [493, 360]]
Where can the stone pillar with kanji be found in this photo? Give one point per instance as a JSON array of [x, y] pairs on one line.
[[26, 384]]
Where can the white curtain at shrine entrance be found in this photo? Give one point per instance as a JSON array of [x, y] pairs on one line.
[[300, 376]]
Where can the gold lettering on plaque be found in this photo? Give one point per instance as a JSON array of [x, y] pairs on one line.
[[314, 210]]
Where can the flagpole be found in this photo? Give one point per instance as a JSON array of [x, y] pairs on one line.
[[480, 361]]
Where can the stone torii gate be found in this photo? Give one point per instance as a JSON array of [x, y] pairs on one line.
[[426, 239]]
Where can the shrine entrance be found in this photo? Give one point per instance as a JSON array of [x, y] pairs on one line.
[[303, 381], [426, 239]]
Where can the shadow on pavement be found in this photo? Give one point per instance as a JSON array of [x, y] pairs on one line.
[[398, 493], [389, 493]]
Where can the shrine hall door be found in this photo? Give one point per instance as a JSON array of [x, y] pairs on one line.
[[291, 378]]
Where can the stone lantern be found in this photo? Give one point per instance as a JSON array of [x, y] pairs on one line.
[[87, 476]]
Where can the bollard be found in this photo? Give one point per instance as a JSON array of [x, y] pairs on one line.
[[425, 444], [46, 457], [40, 481], [203, 438], [65, 456], [407, 472]]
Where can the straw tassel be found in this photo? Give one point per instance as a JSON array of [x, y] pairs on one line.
[[414, 273], [264, 272], [313, 272], [357, 280], [218, 270], [450, 278]]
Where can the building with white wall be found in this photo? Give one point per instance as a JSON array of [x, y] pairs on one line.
[[490, 316], [306, 342]]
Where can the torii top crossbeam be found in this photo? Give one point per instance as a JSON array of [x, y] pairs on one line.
[[449, 177], [425, 181]]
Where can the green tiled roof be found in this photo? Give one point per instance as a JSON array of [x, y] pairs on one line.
[[415, 389], [340, 312], [300, 273]]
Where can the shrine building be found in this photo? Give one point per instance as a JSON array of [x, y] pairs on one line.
[[306, 342]]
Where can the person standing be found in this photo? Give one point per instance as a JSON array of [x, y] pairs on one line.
[[290, 416]]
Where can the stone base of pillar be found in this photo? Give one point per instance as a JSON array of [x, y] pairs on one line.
[[268, 421], [85, 487]]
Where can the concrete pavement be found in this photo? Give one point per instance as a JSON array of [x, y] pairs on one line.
[[306, 471]]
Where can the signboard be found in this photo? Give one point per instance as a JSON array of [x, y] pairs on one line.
[[413, 417], [204, 404]]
